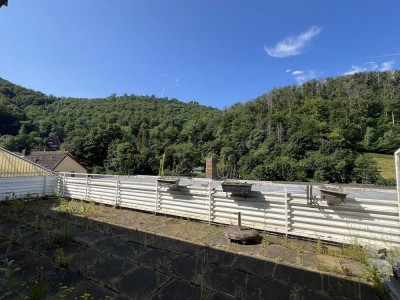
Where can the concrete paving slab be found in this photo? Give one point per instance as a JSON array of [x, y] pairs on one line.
[[157, 259], [129, 250], [256, 266], [224, 280], [114, 267], [141, 283], [82, 261], [88, 237], [91, 291], [177, 290], [187, 268]]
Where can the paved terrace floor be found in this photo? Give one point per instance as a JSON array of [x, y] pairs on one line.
[[110, 253]]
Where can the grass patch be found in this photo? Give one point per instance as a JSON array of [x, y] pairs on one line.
[[386, 165]]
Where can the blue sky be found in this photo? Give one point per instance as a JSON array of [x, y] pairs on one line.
[[211, 51]]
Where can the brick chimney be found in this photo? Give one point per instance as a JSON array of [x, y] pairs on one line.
[[211, 168], [25, 152]]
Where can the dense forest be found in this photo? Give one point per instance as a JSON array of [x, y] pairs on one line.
[[317, 131]]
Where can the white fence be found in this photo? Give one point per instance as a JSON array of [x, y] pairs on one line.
[[368, 216], [19, 187]]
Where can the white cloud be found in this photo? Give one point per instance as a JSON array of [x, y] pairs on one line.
[[355, 69], [288, 71], [297, 73], [303, 76], [371, 66], [387, 65], [293, 45]]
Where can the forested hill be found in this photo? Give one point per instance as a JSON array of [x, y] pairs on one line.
[[316, 131]]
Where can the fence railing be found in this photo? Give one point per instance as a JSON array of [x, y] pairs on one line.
[[21, 187], [367, 217]]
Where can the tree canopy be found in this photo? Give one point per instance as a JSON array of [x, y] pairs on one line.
[[318, 131]]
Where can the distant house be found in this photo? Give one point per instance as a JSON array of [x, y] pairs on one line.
[[53, 143], [56, 161]]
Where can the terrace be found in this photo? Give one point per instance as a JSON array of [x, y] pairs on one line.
[[118, 237]]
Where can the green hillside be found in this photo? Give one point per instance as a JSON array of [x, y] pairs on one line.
[[313, 132], [385, 164]]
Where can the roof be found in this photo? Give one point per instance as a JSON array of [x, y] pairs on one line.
[[12, 165], [48, 159]]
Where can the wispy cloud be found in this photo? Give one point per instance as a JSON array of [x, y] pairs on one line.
[[293, 45], [387, 65], [371, 66], [177, 82], [385, 55], [302, 76], [297, 73]]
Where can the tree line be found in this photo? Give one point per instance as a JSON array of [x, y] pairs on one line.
[[318, 131]]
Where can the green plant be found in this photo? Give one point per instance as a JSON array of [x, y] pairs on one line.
[[8, 281], [355, 252], [375, 277], [40, 287], [65, 206], [86, 208], [65, 291], [278, 259], [62, 236], [85, 296], [265, 239], [60, 260], [320, 247]]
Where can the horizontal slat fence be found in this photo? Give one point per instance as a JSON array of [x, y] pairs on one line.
[[20, 187], [278, 208]]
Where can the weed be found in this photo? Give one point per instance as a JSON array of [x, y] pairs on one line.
[[60, 260], [8, 280], [355, 252], [65, 291], [86, 209], [65, 206], [299, 260], [320, 247], [374, 276], [40, 287], [85, 296], [285, 242], [265, 239], [58, 237], [278, 259]]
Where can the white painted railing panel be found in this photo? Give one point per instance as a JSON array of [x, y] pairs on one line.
[[19, 187], [361, 219]]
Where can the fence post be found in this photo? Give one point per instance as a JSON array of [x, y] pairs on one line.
[[86, 190], [397, 168], [116, 191], [157, 196], [286, 211], [44, 186], [210, 200], [64, 182]]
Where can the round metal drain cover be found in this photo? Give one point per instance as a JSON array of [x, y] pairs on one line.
[[240, 233]]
